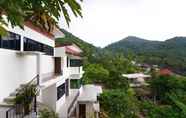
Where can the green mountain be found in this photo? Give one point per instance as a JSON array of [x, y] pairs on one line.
[[88, 49], [170, 53]]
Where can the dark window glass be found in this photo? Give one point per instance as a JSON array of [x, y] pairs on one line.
[[11, 41], [60, 91], [75, 63], [31, 45], [75, 83], [67, 62]]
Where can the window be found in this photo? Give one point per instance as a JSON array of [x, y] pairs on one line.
[[75, 63], [75, 83], [60, 91], [31, 45], [67, 61], [11, 41]]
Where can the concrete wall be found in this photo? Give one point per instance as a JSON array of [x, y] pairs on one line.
[[59, 52], [46, 66], [50, 101], [14, 70], [3, 112], [89, 110], [18, 69]]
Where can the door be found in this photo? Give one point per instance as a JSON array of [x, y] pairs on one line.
[[58, 65], [82, 110]]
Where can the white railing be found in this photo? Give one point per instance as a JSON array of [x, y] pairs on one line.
[[76, 70]]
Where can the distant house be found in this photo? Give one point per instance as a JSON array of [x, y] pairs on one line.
[[136, 79], [165, 72]]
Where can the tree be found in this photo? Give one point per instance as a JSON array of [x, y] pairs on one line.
[[44, 13], [118, 104], [162, 86], [95, 73]]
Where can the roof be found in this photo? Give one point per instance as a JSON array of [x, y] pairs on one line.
[[136, 75], [55, 34], [90, 93], [71, 49], [165, 71]]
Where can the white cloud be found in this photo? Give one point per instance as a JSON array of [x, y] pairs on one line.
[[106, 21]]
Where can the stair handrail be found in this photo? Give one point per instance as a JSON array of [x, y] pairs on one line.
[[36, 77], [13, 108]]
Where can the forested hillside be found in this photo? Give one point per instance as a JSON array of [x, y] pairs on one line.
[[88, 49], [164, 97], [170, 53]]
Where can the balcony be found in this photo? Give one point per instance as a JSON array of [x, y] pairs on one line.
[[76, 72]]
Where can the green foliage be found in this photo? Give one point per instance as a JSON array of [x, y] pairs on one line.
[[170, 53], [95, 73], [47, 113], [119, 104], [25, 97], [43, 13], [75, 83], [88, 49], [170, 93], [151, 110], [118, 101], [163, 85]]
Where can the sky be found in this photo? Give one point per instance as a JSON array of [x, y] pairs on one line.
[[108, 21]]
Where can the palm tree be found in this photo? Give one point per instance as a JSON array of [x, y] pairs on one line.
[[43, 13]]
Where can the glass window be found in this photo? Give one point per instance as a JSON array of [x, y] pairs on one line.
[[75, 83], [11, 41], [60, 91], [75, 63], [31, 45]]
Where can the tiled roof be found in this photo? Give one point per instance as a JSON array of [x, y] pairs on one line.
[[165, 71]]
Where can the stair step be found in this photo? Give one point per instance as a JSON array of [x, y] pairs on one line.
[[18, 89], [4, 104], [9, 99], [13, 93], [23, 85]]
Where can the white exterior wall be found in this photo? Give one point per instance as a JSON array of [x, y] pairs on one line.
[[15, 70], [47, 65], [65, 69], [34, 35], [50, 101]]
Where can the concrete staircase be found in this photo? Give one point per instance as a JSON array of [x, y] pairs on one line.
[[9, 101]]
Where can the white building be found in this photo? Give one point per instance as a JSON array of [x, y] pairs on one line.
[[136, 79], [79, 101], [31, 54]]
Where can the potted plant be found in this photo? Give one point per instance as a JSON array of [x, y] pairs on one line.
[[25, 99]]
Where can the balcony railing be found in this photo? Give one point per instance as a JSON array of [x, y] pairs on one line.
[[76, 70], [73, 102]]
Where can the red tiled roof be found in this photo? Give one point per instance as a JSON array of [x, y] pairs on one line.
[[39, 30], [71, 51], [165, 72]]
